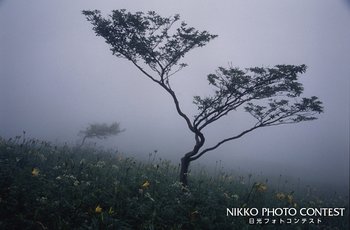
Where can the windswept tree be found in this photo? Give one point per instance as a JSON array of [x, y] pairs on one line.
[[155, 45], [100, 131]]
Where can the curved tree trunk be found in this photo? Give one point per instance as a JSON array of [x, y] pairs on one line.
[[188, 157], [185, 163]]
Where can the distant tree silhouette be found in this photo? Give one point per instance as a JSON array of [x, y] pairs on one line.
[[100, 131], [155, 46]]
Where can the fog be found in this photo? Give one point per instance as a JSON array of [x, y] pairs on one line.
[[56, 77]]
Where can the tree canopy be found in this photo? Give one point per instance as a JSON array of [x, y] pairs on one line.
[[149, 38], [156, 45], [100, 131]]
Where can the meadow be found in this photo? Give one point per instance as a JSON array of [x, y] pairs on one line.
[[47, 186]]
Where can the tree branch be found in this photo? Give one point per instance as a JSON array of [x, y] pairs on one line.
[[224, 141], [178, 108], [144, 72]]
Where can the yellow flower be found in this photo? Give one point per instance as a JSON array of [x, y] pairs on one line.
[[290, 199], [261, 187], [98, 209], [146, 184], [35, 172], [280, 196]]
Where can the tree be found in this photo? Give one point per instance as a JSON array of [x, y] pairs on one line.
[[152, 44], [100, 131]]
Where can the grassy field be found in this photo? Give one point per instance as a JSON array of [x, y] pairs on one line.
[[44, 186]]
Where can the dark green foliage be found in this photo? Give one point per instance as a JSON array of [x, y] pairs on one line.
[[148, 37], [71, 182], [235, 88]]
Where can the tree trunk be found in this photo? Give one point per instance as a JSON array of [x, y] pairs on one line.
[[82, 141], [185, 163]]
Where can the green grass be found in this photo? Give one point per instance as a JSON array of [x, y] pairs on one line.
[[44, 186]]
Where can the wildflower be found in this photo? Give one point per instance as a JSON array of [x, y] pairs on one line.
[[43, 199], [241, 179], [184, 189], [176, 184], [235, 196], [261, 187], [35, 172], [98, 209], [82, 161], [115, 167], [290, 198], [76, 183], [280, 196], [226, 195], [110, 211], [146, 184], [58, 178], [70, 176], [100, 164]]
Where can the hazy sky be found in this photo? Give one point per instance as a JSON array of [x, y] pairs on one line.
[[56, 77]]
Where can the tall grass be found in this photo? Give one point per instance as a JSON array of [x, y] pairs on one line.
[[44, 186]]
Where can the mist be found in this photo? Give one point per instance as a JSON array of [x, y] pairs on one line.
[[56, 77]]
